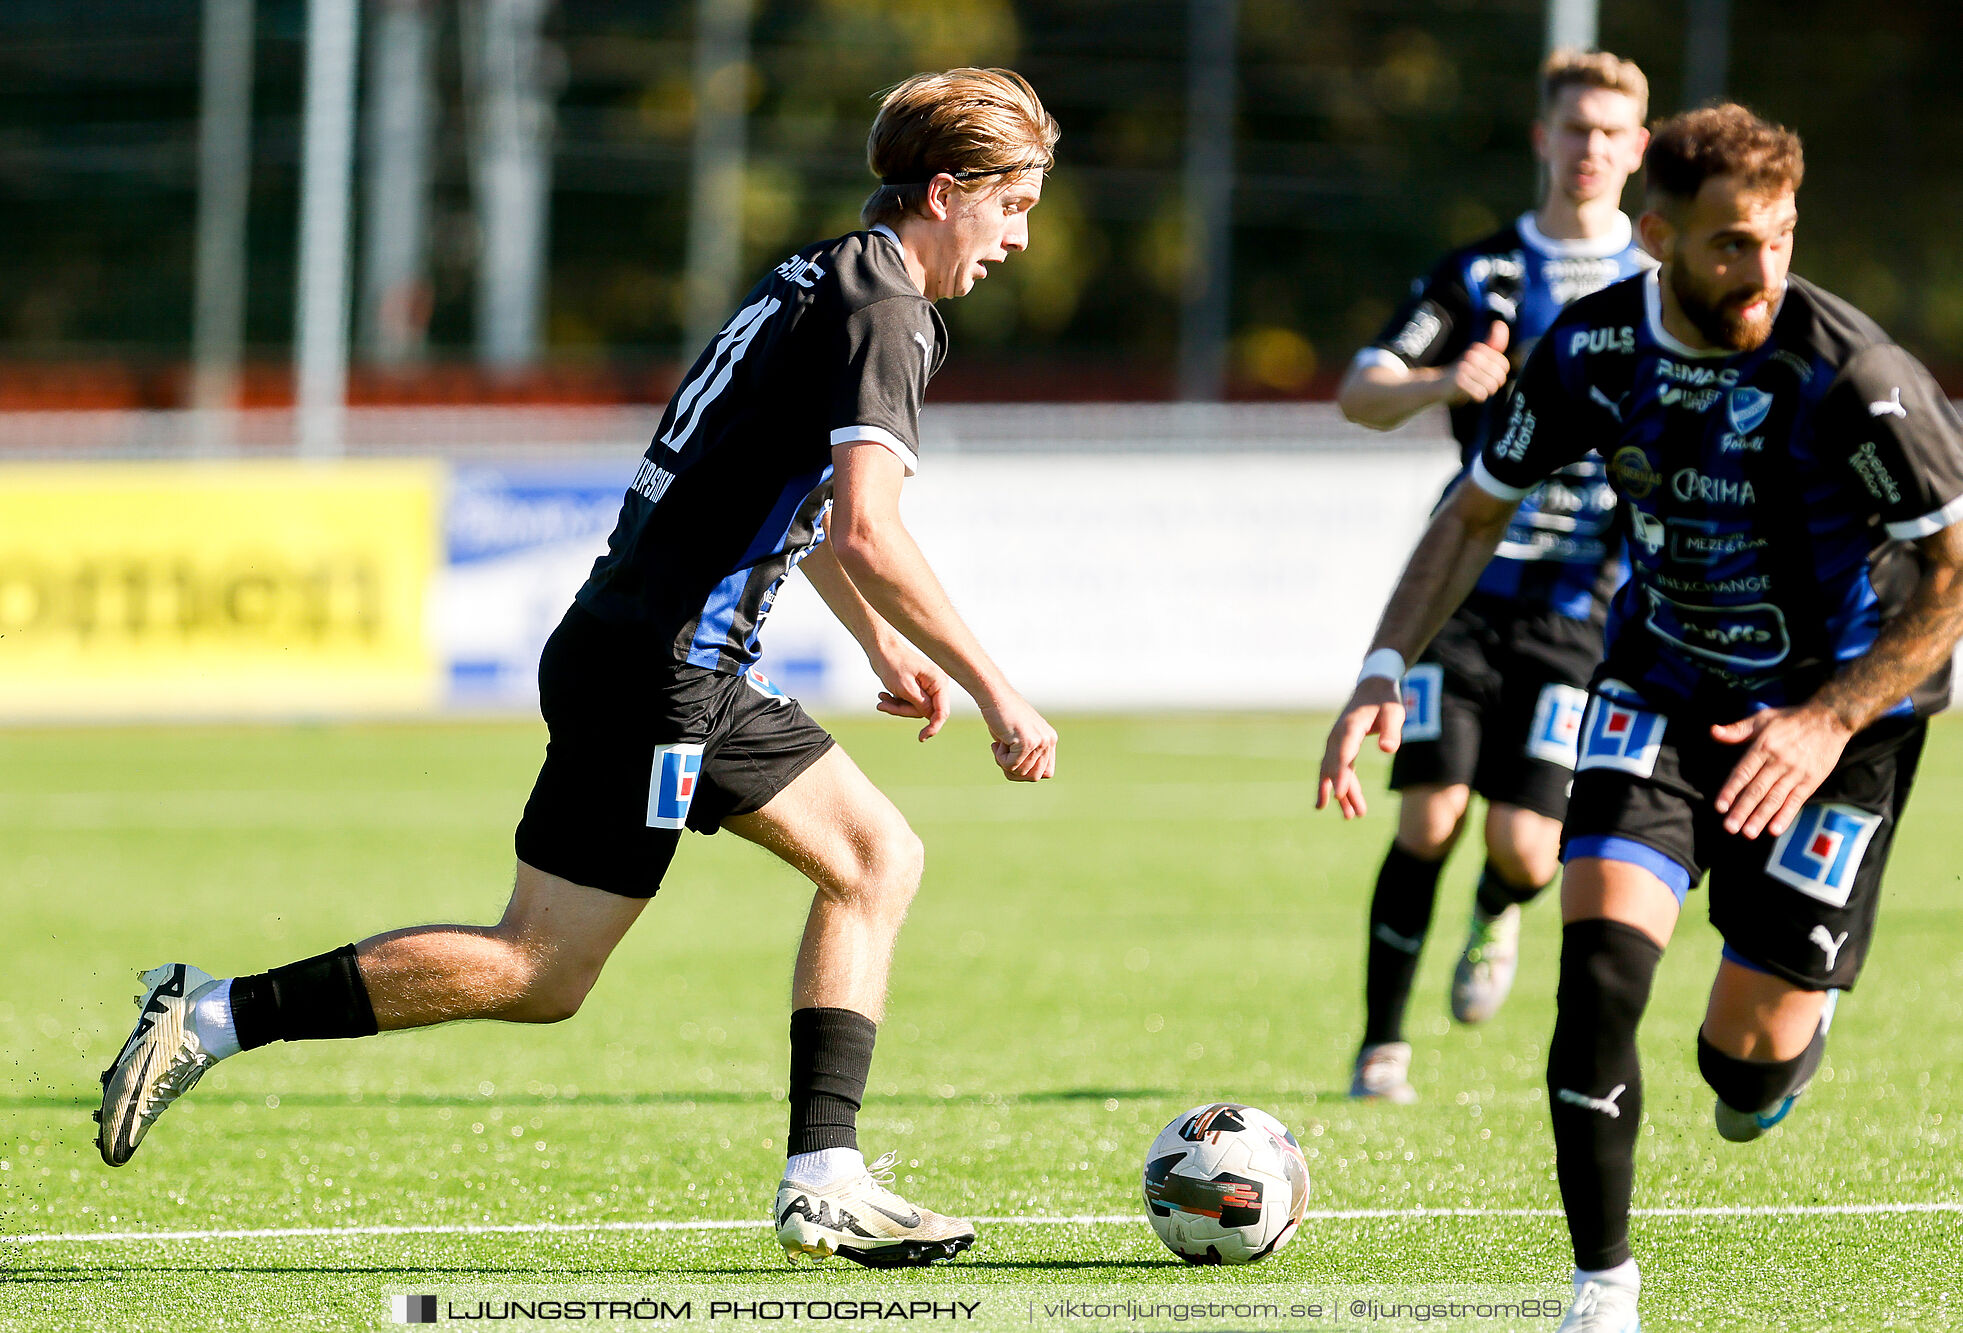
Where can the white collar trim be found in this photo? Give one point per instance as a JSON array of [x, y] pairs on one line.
[[1587, 247], [881, 229]]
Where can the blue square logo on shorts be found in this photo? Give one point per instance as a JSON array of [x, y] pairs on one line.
[[1620, 737], [1820, 854], [671, 785], [1424, 686]]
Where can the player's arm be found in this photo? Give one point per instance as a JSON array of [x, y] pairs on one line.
[[1792, 750], [1547, 428], [914, 686], [1905, 446], [885, 566], [1437, 348], [1448, 560], [1911, 647], [1380, 391]]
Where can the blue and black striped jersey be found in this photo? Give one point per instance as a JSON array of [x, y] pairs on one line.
[[1770, 498], [1560, 552], [835, 346]]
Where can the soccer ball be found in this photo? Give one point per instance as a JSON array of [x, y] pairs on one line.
[[1225, 1184]]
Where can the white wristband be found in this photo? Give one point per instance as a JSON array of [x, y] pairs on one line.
[[1387, 663]]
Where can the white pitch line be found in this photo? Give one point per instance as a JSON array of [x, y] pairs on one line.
[[1081, 1219]]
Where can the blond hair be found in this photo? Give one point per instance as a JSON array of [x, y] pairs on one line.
[[1568, 68], [980, 126]]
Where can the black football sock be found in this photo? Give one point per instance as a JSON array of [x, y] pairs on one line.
[[831, 1054], [1595, 1084], [310, 1000], [1496, 893], [1400, 914], [1757, 1085]]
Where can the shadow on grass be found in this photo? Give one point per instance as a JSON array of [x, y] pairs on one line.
[[386, 1101]]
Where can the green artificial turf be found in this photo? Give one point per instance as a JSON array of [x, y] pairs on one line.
[[1166, 924]]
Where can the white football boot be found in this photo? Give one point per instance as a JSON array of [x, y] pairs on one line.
[[1602, 1307], [161, 1061], [862, 1220], [1383, 1074], [1484, 976]]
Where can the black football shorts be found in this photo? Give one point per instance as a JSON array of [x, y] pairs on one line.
[[1495, 703], [640, 747], [1800, 905]]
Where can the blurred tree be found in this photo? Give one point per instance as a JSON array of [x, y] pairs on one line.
[[1371, 137]]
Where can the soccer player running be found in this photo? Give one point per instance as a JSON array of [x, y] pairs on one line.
[[786, 445], [1496, 699], [1792, 483]]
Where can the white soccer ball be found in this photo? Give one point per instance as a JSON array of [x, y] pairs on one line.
[[1225, 1184]]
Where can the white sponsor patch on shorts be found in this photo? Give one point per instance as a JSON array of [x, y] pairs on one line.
[[1618, 736], [763, 685], [1820, 852], [676, 773], [1556, 736], [1424, 689]]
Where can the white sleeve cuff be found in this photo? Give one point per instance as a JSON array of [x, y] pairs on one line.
[[1492, 485], [1378, 356], [1929, 524], [863, 434], [1382, 663]]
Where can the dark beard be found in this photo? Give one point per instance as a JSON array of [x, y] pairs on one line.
[[1721, 325]]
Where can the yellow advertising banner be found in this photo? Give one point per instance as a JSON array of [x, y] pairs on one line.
[[216, 589]]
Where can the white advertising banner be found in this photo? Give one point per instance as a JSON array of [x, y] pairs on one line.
[[1163, 580], [518, 541]]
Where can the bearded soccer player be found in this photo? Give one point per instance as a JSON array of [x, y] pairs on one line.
[[1792, 485], [786, 445], [1496, 698]]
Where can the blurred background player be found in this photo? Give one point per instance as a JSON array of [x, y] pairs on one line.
[[1495, 701], [798, 423], [1792, 483]]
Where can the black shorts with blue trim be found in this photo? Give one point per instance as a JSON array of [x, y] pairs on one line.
[[1495, 704], [640, 747], [1801, 905]]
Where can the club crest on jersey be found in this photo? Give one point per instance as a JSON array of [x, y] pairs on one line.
[[1615, 735], [1820, 854], [1747, 407], [1424, 687], [1556, 736], [676, 773]]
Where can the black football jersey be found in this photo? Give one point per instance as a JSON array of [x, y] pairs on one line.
[[835, 345], [1769, 498], [1559, 552]]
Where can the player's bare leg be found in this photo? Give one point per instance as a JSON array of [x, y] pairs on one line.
[[1617, 917], [1761, 1043], [855, 846], [534, 966], [1430, 818], [1522, 856]]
